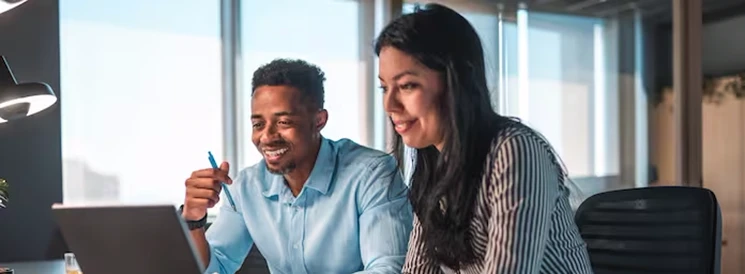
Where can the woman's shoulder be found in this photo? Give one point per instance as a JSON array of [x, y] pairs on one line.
[[517, 140], [519, 152], [518, 134]]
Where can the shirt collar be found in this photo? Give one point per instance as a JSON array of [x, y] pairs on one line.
[[323, 170], [320, 177]]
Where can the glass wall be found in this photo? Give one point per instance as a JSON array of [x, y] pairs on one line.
[[143, 91], [142, 100], [577, 79], [558, 83], [143, 87]]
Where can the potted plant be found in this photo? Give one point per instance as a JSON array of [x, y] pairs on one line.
[[4, 196], [4, 189], [715, 88]]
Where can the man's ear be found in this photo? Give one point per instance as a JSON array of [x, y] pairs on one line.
[[322, 116]]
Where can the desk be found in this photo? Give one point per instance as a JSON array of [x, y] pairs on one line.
[[40, 267]]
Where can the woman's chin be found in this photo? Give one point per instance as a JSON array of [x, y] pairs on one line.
[[417, 144]]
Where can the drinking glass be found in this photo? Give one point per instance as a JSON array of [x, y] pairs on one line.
[[71, 264]]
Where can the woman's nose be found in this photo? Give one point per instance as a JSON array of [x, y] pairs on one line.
[[391, 103]]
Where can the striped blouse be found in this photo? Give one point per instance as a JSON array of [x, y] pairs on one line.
[[523, 222]]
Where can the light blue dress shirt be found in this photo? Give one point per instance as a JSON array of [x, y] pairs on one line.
[[352, 216]]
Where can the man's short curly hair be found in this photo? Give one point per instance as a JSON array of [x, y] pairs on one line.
[[305, 77]]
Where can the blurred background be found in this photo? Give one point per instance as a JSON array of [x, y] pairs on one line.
[[146, 88]]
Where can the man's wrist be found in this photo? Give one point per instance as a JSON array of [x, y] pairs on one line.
[[193, 224]]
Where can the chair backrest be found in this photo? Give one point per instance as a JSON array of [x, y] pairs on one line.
[[652, 230], [254, 262]]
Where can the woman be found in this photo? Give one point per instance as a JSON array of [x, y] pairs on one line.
[[488, 192]]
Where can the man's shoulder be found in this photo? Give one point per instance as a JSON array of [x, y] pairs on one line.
[[361, 157], [373, 169]]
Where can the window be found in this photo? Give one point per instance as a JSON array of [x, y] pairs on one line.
[[558, 82], [142, 97], [552, 72], [324, 33]]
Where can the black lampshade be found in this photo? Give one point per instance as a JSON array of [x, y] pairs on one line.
[[21, 100]]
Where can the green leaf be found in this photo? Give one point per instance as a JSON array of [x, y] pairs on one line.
[[4, 193]]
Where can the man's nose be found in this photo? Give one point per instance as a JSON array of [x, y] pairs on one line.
[[270, 134]]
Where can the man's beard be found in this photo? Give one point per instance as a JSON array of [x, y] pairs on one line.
[[283, 169]]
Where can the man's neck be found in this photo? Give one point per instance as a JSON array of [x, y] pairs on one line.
[[296, 178]]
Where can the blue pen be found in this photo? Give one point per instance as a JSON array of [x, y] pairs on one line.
[[224, 186]]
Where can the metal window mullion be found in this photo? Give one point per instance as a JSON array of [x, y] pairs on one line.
[[391, 9], [231, 81], [366, 12]]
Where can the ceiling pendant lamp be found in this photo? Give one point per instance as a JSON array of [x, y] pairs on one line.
[[21, 100], [6, 5]]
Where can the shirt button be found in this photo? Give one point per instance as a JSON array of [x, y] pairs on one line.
[[296, 246]]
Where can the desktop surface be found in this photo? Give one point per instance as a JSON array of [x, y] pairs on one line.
[[36, 267]]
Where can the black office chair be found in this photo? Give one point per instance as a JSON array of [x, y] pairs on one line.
[[652, 230], [254, 262]]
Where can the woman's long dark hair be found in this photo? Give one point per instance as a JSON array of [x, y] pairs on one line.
[[445, 183]]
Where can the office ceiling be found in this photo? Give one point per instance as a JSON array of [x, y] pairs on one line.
[[655, 9]]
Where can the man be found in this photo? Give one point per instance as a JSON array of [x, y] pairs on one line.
[[312, 205]]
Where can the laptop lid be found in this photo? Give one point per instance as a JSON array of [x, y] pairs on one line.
[[124, 239]]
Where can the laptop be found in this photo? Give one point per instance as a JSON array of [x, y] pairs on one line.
[[125, 239]]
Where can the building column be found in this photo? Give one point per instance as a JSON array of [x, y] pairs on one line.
[[687, 88]]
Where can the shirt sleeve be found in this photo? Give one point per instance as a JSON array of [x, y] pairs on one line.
[[228, 237], [524, 186], [416, 261], [385, 219]]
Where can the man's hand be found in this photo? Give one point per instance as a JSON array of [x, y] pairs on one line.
[[203, 191]]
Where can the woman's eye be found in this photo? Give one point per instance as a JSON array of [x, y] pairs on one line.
[[408, 86]]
